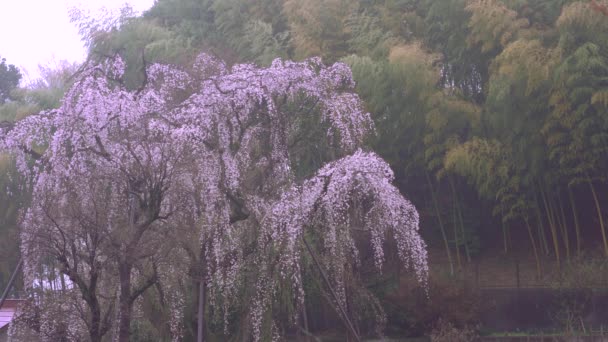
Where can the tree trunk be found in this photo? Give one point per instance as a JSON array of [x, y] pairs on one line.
[[202, 295], [95, 329], [61, 277], [125, 303], [90, 296], [201, 310]]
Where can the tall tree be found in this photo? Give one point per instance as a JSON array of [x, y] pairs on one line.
[[9, 79]]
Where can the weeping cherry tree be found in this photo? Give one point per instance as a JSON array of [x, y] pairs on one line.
[[118, 175]]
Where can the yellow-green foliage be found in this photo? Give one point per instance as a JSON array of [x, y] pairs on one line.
[[481, 161], [600, 98], [581, 14], [419, 66], [580, 23], [447, 120], [575, 129], [318, 27], [492, 24], [526, 62], [489, 167]]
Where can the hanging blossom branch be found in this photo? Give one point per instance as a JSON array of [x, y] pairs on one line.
[[354, 191], [120, 172], [363, 180]]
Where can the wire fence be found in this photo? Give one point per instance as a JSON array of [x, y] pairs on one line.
[[525, 272]]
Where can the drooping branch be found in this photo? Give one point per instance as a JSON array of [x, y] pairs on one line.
[[150, 281], [337, 302]]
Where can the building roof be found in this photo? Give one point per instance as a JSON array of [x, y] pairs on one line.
[[7, 311]]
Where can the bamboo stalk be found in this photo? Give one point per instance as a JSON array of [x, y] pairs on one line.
[[577, 226], [552, 227], [456, 241], [599, 215], [441, 227], [563, 224], [504, 232], [536, 257], [541, 226], [461, 220]]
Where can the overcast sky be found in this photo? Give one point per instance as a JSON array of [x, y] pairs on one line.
[[34, 32]]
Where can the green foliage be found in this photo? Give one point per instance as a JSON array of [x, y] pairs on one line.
[[9, 79], [11, 201], [488, 166], [260, 44], [318, 27], [398, 92], [493, 25], [482, 162], [540, 13], [44, 93], [579, 24], [576, 128], [367, 35], [464, 67]]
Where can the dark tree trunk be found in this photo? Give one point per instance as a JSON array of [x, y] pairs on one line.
[[202, 298], [125, 303], [201, 310], [95, 330]]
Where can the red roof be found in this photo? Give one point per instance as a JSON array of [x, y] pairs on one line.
[[7, 311]]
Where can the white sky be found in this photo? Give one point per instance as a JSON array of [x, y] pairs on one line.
[[34, 32]]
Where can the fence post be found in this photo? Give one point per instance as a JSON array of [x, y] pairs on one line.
[[477, 273], [517, 273]]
